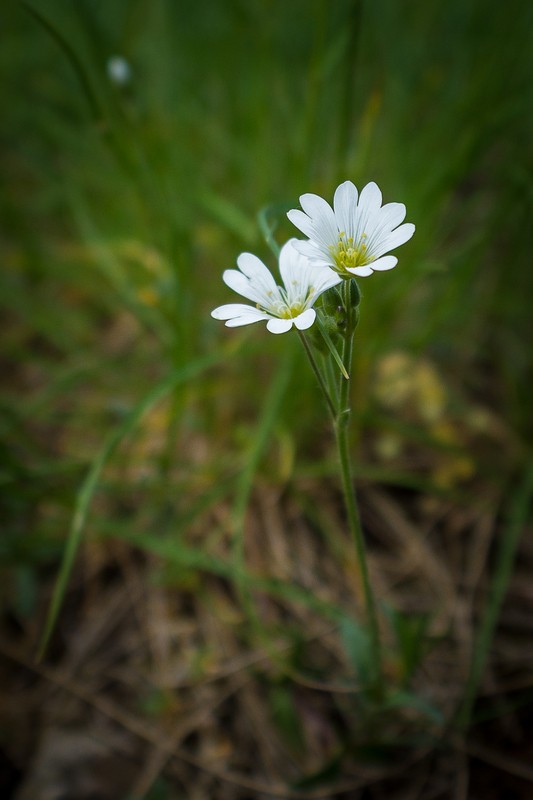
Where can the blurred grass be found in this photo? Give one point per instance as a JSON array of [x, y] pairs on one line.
[[122, 204], [132, 199], [154, 186]]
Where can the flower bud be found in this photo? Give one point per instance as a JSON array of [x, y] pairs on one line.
[[354, 293], [331, 301], [330, 326]]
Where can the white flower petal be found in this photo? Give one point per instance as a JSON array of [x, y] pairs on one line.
[[253, 267], [379, 232], [361, 272], [305, 320], [293, 267], [370, 198], [322, 216], [304, 281], [259, 275], [345, 206], [316, 206], [240, 284], [395, 239], [391, 215], [308, 248], [260, 278], [245, 319], [368, 213], [384, 263], [374, 229], [320, 261], [318, 256], [298, 275], [279, 325], [301, 221], [231, 310], [322, 278]]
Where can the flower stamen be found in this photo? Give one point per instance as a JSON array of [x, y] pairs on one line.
[[353, 236], [346, 255]]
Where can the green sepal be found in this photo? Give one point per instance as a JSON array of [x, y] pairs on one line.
[[355, 293], [332, 302], [350, 298], [344, 315]]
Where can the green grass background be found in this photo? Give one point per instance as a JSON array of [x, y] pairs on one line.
[[122, 205]]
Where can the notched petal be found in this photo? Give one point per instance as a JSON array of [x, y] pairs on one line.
[[384, 263], [301, 221], [370, 197], [361, 272], [305, 320], [279, 325]]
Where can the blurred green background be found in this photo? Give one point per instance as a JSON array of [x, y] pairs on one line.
[[123, 202], [139, 142]]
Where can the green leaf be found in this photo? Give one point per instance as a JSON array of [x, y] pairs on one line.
[[229, 215], [268, 219], [174, 552], [285, 715], [403, 699], [410, 631], [331, 347], [358, 648]]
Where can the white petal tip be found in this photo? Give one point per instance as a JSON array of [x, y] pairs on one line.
[[360, 272], [279, 325], [384, 263], [305, 320]]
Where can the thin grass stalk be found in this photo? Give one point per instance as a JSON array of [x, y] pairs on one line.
[[263, 434], [510, 539], [90, 483]]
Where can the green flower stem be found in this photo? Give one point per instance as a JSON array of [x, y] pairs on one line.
[[319, 376], [354, 521], [338, 403], [332, 381]]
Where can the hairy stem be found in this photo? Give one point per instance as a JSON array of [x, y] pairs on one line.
[[342, 423]]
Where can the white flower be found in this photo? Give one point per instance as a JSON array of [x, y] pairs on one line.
[[284, 306], [353, 236], [118, 70]]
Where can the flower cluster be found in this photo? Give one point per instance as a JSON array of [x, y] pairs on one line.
[[346, 241], [283, 307]]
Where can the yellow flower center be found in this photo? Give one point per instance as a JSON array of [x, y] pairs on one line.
[[290, 312], [347, 254]]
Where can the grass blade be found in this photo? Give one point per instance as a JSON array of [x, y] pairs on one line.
[[268, 225], [90, 484], [173, 551], [72, 57], [267, 420], [518, 511]]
